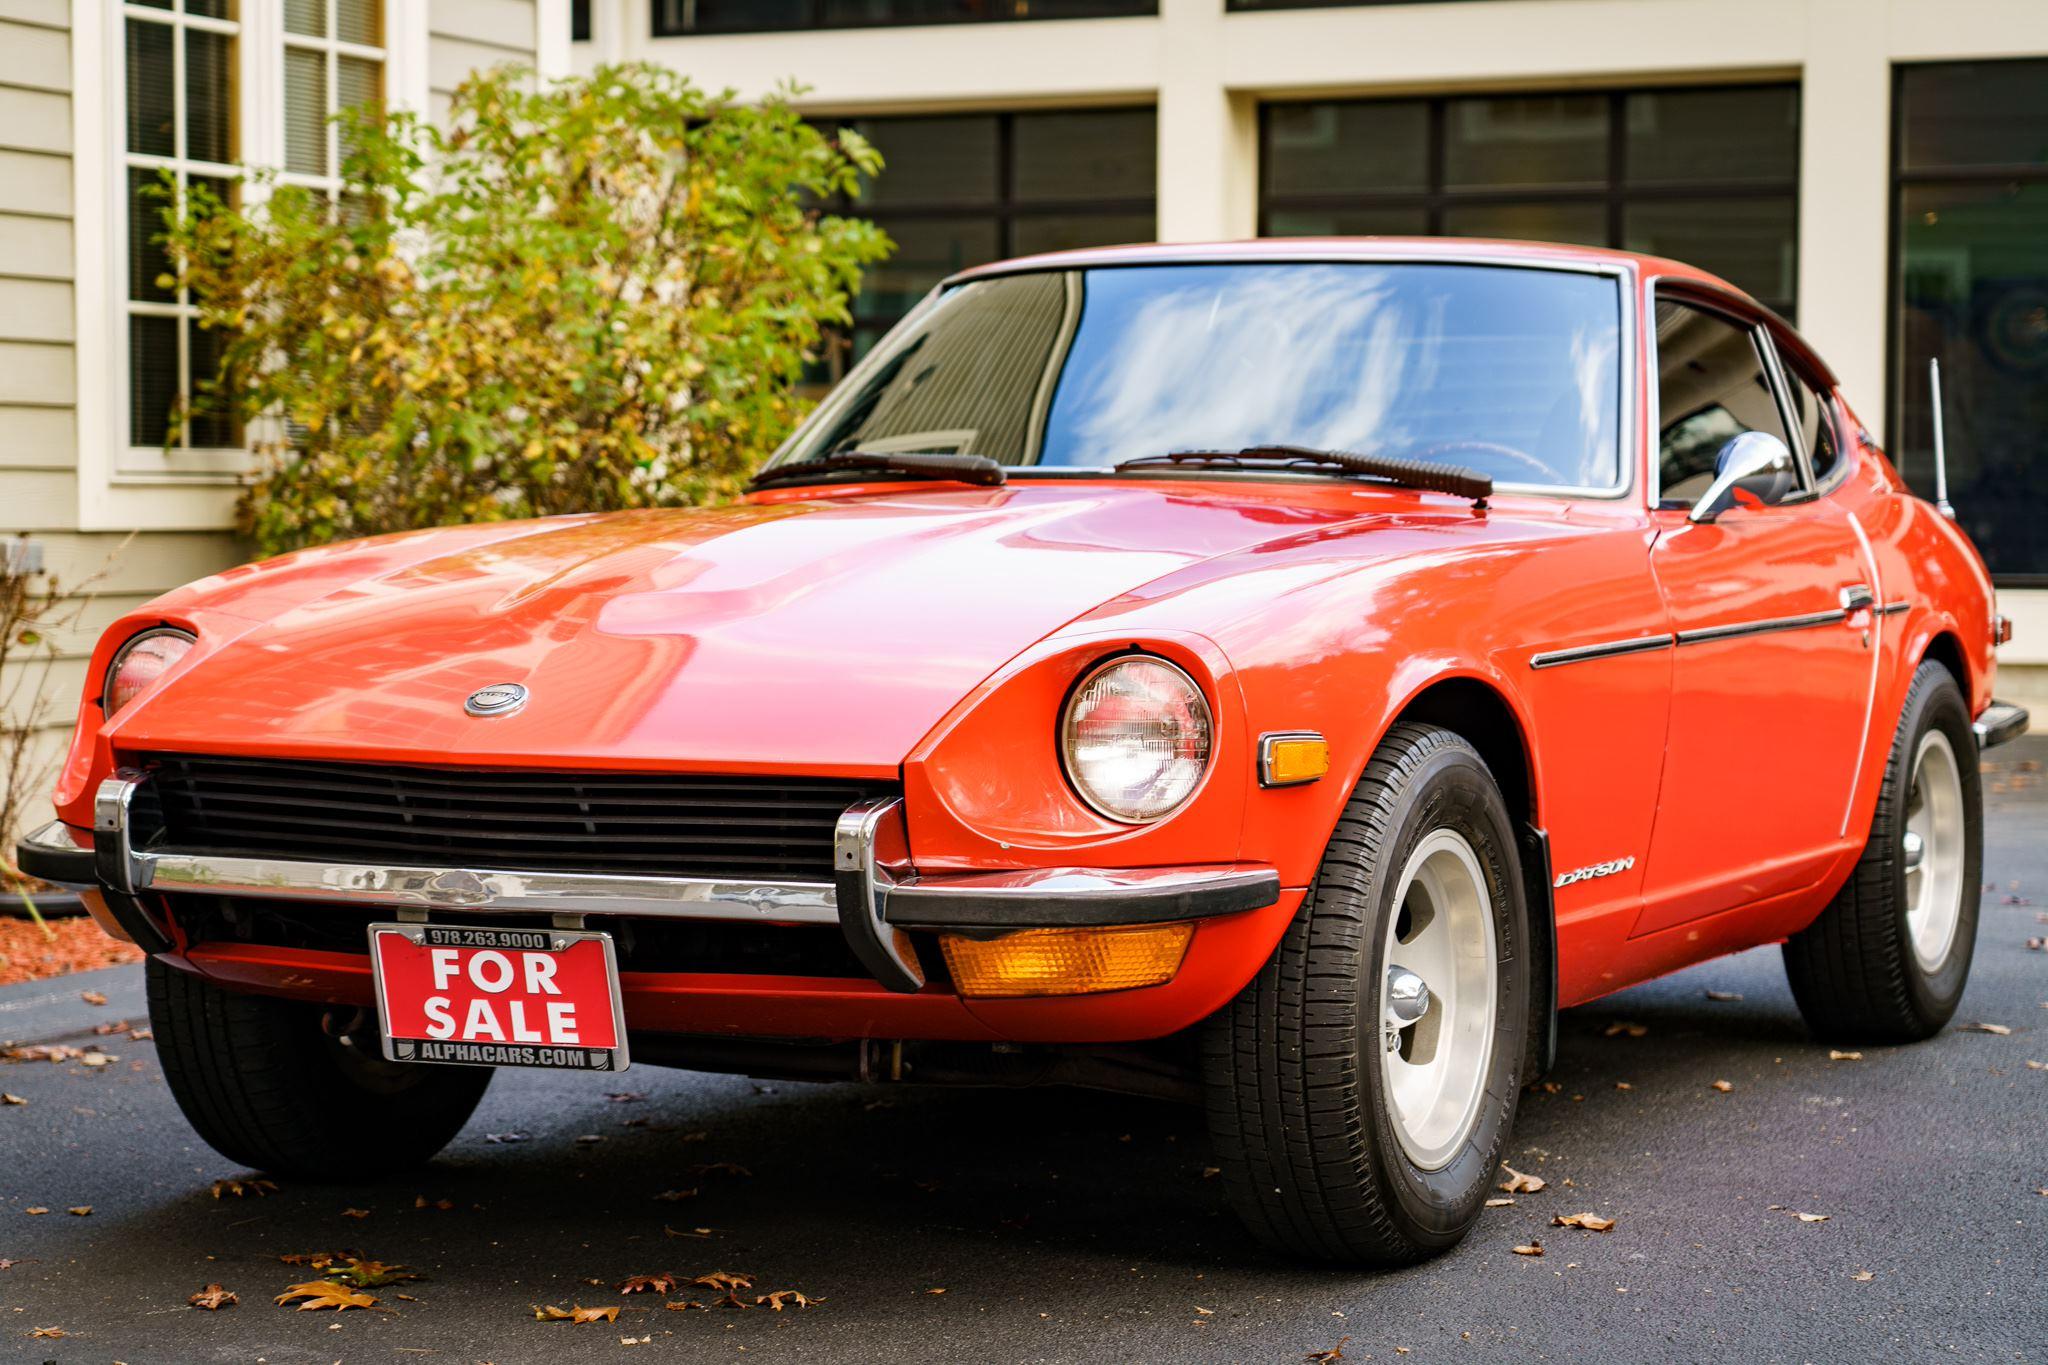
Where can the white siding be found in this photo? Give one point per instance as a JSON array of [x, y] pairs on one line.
[[467, 35]]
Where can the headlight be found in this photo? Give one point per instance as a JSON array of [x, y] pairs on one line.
[[1136, 738], [139, 663]]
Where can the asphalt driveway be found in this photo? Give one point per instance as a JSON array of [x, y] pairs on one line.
[[1043, 1225]]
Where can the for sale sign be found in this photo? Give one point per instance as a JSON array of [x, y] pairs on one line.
[[498, 997]]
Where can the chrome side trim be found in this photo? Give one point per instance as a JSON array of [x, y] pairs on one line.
[[1709, 634], [1579, 654], [1894, 608], [2000, 722]]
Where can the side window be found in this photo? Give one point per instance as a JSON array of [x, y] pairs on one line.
[[1711, 387], [1816, 421]]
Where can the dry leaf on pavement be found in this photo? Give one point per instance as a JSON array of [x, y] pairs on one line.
[[7, 1098], [97, 1059], [1621, 1026], [661, 1283], [1532, 1248], [1499, 1203], [1999, 1029], [80, 1210], [326, 1294], [92, 997], [1837, 1055], [244, 1187], [1724, 1086], [420, 1201], [1519, 1182], [1724, 996], [1592, 1222], [575, 1313], [1329, 1357], [213, 1298], [2031, 1066], [1864, 1276], [1812, 1217], [777, 1298], [355, 1213], [34, 1210], [676, 1196], [52, 1332], [625, 1096]]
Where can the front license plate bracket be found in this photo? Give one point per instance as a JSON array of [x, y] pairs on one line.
[[470, 995]]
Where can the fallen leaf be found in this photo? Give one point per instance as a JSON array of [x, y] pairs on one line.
[[420, 1201], [775, 1299], [112, 1027], [1999, 1029], [6, 1098], [36, 1210], [1620, 1026], [636, 1341], [1592, 1222], [685, 1305], [92, 997], [2039, 945], [2031, 1066], [625, 1096], [1205, 1312], [316, 1294], [355, 1213], [1812, 1217], [1500, 1203], [1863, 1276], [675, 1196], [97, 1059], [1724, 996], [699, 1233], [1837, 1055], [1623, 1085], [1329, 1357], [80, 1211], [1530, 1249], [576, 1313], [242, 1188], [364, 1274], [506, 1137], [661, 1283], [52, 1332], [587, 1138], [1519, 1182], [1724, 1086], [213, 1298], [141, 1035], [934, 1291]]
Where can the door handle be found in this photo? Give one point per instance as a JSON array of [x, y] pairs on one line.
[[1858, 597]]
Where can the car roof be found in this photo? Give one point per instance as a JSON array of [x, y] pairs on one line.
[[1445, 250]]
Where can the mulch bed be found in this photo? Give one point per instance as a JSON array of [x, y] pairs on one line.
[[79, 946]]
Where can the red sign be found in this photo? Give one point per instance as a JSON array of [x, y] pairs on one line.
[[498, 997]]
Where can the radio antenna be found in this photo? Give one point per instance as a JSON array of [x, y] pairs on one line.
[[1941, 502]]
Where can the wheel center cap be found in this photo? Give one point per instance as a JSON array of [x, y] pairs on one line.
[[1915, 849], [1407, 998]]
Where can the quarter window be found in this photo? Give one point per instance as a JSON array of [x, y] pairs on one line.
[[1711, 388], [1815, 409]]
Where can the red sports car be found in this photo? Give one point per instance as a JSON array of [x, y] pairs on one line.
[[1282, 673]]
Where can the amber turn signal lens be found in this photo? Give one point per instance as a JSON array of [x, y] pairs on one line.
[[1066, 961], [1287, 760]]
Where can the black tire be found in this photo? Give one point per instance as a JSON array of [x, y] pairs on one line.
[[265, 1086], [1854, 971], [1298, 1113]]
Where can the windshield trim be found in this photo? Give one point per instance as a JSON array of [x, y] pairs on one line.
[[1620, 269]]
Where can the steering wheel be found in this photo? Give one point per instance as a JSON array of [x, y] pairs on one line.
[[1506, 454]]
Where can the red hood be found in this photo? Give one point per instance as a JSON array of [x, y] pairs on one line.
[[822, 635]]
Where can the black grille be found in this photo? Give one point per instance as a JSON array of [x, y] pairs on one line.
[[651, 824]]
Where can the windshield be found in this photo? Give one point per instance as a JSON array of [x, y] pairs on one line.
[[1512, 372]]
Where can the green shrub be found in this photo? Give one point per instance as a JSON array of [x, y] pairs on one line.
[[593, 295]]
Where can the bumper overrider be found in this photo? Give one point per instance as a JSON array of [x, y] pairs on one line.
[[874, 896]]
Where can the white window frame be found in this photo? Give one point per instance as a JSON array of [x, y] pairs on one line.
[[331, 50], [121, 485]]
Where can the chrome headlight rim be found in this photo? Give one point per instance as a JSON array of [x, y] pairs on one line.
[[128, 646], [1203, 711]]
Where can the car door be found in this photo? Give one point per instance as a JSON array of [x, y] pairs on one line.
[[1770, 607]]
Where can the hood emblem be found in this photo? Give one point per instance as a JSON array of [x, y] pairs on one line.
[[499, 699]]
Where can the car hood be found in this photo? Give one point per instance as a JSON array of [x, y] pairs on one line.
[[824, 634]]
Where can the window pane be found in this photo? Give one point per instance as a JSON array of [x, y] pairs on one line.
[[1110, 155], [358, 83], [927, 250], [211, 9], [1063, 232], [932, 161], [1582, 224], [306, 16], [360, 21], [146, 258], [1526, 140], [1710, 389], [152, 378], [1748, 242], [151, 95], [209, 96], [1694, 135], [1347, 222], [1973, 291], [210, 428], [1816, 421], [305, 111], [1366, 148], [715, 16], [1973, 114]]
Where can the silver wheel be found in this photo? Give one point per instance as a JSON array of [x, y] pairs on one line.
[[1440, 983], [1934, 851]]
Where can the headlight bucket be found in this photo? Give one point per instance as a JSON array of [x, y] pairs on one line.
[[137, 665], [1136, 734]]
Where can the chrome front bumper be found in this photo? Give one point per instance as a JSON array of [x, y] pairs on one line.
[[2000, 722], [874, 895]]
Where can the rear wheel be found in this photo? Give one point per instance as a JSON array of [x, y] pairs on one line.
[[266, 1085], [1886, 962], [1361, 1088]]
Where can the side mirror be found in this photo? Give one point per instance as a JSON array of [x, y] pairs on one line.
[[1754, 463]]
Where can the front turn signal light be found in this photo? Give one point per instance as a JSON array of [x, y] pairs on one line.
[[1066, 961], [1289, 758]]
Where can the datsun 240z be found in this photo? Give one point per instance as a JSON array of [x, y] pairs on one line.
[[1283, 674]]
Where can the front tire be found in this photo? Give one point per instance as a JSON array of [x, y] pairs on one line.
[[1356, 1119], [1886, 962], [265, 1085]]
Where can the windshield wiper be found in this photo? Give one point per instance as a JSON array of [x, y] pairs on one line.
[[916, 464], [1424, 474]]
